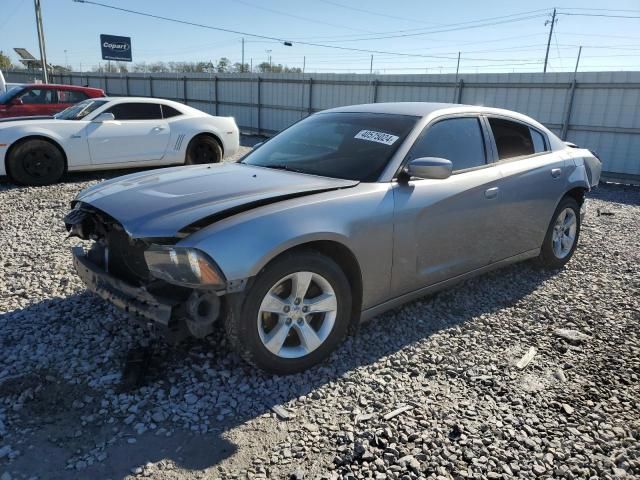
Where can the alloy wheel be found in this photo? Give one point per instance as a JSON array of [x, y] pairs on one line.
[[564, 233], [297, 315]]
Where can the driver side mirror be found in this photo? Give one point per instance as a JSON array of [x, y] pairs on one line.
[[16, 101], [104, 117], [430, 167]]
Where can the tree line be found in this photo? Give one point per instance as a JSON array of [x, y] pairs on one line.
[[224, 65]]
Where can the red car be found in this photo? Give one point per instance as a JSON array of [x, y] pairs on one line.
[[43, 99]]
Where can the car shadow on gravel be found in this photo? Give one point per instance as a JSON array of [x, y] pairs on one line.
[[180, 412]]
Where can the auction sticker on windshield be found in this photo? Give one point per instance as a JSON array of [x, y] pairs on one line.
[[378, 137]]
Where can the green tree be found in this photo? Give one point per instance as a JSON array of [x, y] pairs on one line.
[[5, 61], [223, 65]]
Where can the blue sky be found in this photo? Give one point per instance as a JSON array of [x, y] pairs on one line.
[[609, 43]]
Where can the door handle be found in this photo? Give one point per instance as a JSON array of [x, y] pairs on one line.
[[556, 172], [491, 192], [157, 129]]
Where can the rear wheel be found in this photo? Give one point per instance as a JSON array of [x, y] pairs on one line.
[[562, 235], [203, 149], [35, 162], [294, 315]]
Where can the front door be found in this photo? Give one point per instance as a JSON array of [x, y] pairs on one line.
[[34, 101], [138, 134], [444, 228]]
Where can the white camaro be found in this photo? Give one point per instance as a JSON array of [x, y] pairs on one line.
[[106, 133]]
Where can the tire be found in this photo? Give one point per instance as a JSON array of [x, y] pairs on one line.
[[35, 162], [555, 251], [250, 328], [203, 149]]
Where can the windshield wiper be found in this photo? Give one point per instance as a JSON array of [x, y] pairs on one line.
[[282, 166]]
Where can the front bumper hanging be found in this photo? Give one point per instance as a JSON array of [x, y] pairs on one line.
[[136, 301]]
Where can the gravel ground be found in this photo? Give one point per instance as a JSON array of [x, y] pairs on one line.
[[435, 389]]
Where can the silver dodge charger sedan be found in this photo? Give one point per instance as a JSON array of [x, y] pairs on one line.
[[343, 215]]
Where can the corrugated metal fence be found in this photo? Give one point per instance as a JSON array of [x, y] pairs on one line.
[[598, 110]]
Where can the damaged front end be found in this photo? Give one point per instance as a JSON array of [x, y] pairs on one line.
[[157, 283]]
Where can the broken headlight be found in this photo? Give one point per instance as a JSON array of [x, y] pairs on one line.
[[183, 266]]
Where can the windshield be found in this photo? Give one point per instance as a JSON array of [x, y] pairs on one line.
[[9, 94], [354, 146], [79, 110]]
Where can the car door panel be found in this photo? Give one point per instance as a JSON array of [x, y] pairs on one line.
[[531, 188], [127, 141], [532, 182], [444, 228]]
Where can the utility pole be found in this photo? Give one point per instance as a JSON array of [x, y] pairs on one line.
[[304, 63], [575, 72], [41, 42], [242, 64], [371, 66], [553, 22], [458, 66], [251, 66]]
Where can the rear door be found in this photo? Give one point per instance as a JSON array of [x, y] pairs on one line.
[[532, 183], [138, 134], [67, 97], [444, 228]]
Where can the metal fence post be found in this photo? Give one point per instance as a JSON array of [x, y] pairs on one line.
[[184, 89], [375, 90], [126, 84], [310, 106], [460, 87], [567, 112], [259, 106], [215, 92], [150, 85]]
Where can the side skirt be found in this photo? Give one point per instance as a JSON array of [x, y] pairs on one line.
[[372, 312]]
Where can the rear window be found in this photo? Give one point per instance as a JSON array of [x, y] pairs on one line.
[[354, 146], [71, 96], [168, 112], [512, 139]]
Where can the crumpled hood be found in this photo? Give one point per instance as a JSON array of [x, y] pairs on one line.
[[159, 203]]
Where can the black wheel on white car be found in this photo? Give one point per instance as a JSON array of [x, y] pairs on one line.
[[295, 313], [35, 162], [562, 235], [203, 149]]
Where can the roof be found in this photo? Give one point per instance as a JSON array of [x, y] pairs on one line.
[[419, 109], [55, 85]]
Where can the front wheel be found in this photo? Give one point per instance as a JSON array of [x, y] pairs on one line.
[[35, 162], [295, 314], [562, 235], [203, 149]]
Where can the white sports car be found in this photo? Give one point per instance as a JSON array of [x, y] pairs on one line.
[[106, 133]]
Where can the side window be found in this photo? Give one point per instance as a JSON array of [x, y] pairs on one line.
[[33, 96], [71, 96], [458, 139], [168, 112], [136, 111], [513, 139], [539, 144]]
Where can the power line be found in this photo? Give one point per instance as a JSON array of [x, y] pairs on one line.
[[286, 14], [444, 30], [597, 15], [385, 15], [254, 35], [431, 30]]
